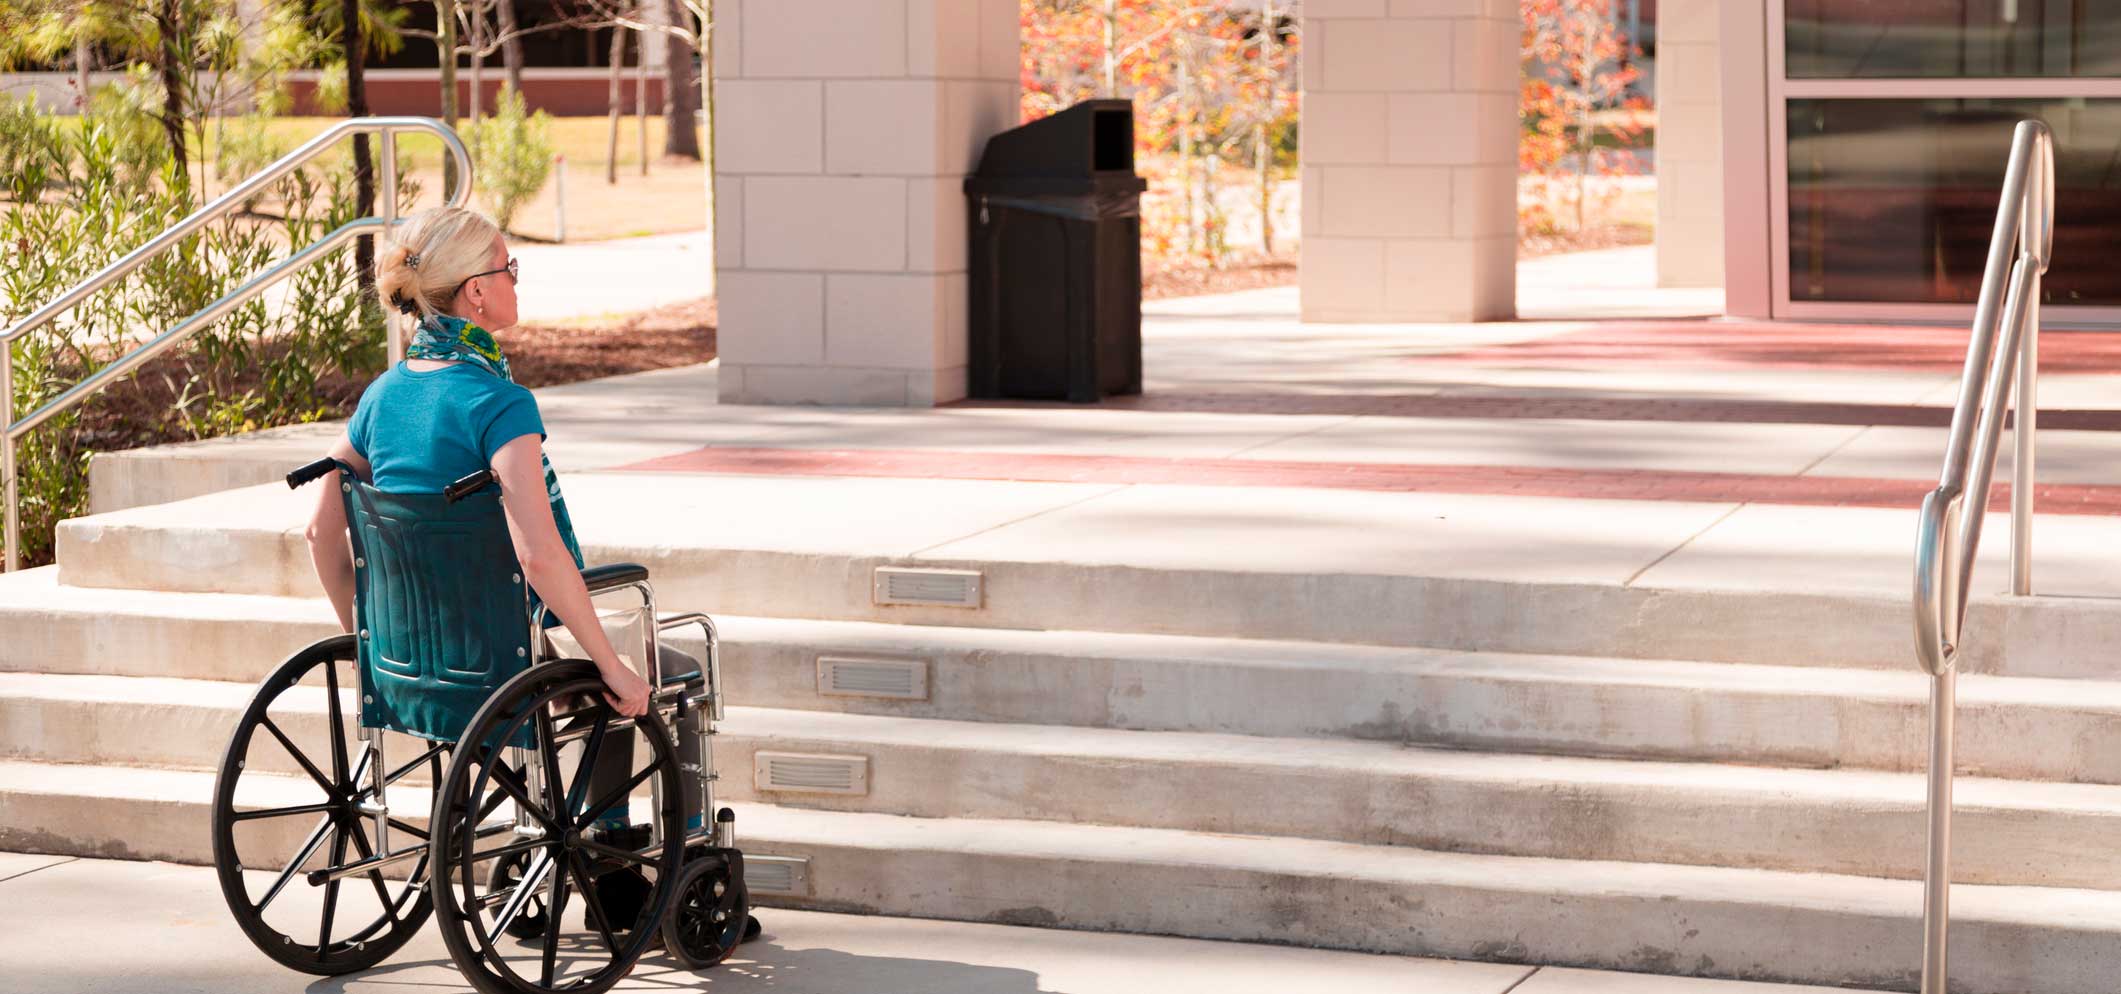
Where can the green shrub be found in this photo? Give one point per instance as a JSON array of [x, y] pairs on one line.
[[31, 146], [259, 366], [511, 156]]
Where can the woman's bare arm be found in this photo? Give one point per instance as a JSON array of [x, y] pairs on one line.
[[550, 568], [329, 550]]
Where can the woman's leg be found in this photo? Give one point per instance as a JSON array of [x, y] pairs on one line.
[[676, 662], [615, 759]]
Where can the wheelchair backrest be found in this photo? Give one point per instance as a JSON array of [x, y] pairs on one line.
[[439, 606]]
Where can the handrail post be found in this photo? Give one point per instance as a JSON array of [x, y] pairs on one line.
[[1937, 873], [1949, 529], [393, 329], [2027, 413]]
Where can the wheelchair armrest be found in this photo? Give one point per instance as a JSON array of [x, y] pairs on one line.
[[606, 576]]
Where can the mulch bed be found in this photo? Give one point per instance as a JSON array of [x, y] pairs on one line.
[[1609, 236], [1240, 274], [673, 335], [134, 414]]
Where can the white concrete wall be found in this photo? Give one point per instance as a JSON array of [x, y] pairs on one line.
[[1689, 144], [1409, 160], [845, 129]]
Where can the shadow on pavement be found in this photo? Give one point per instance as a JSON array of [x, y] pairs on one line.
[[761, 965]]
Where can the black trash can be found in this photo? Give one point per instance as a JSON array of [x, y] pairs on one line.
[[1056, 309]]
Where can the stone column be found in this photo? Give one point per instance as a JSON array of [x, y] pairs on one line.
[[1409, 160], [845, 129], [1689, 144]]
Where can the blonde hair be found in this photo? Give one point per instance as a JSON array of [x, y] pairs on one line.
[[424, 258]]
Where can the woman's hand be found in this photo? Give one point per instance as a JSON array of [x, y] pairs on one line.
[[625, 691]]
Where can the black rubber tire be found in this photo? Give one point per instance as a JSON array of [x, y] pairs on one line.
[[690, 931], [362, 947], [526, 699]]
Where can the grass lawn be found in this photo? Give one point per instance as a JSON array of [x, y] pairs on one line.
[[672, 196]]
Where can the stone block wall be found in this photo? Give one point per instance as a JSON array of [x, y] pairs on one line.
[[845, 129], [1689, 144], [1409, 160]]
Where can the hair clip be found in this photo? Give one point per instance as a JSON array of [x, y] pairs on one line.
[[402, 303], [412, 260]]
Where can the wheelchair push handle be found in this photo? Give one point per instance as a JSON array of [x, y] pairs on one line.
[[468, 485], [314, 471]]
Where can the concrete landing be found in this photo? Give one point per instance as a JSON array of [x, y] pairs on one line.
[[81, 926]]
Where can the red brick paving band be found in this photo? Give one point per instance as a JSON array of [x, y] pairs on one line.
[[1715, 488], [1564, 407]]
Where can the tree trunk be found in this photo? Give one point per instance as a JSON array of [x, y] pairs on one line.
[[355, 50], [1262, 148], [81, 75], [511, 47], [617, 101], [1111, 19], [446, 52], [477, 46], [681, 92], [640, 96], [169, 53]]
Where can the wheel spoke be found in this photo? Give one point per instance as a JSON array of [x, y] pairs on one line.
[[580, 871], [526, 886], [549, 756], [552, 919], [616, 795], [307, 767], [331, 895], [375, 876], [584, 769], [403, 826], [397, 774], [621, 854], [516, 791], [309, 848], [299, 809], [338, 730], [511, 849]]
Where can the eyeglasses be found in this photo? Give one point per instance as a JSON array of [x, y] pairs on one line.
[[511, 269]]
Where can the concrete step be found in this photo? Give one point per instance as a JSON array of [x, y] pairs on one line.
[[1754, 924], [1490, 573], [2045, 729], [1851, 822]]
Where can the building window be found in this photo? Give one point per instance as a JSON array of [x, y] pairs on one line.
[[1951, 39], [1893, 200]]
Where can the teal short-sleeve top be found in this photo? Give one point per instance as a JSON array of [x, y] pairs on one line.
[[422, 431]]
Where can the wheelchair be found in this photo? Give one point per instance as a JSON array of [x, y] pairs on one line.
[[489, 821]]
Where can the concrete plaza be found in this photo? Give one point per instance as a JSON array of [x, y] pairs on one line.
[[159, 928], [1565, 642]]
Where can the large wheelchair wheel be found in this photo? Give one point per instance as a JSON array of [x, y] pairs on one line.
[[293, 782], [542, 713]]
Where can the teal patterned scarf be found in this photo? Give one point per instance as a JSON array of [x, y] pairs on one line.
[[445, 336]]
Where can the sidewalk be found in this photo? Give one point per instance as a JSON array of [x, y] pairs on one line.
[[85, 926]]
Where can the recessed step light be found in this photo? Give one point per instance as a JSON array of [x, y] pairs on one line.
[[787, 875], [872, 676], [927, 587], [811, 773]]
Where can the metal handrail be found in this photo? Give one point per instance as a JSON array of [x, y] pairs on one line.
[[386, 128], [1948, 534]]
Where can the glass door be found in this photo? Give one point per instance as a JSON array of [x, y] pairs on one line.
[[1890, 121]]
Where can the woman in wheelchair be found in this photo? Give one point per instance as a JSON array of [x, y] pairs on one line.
[[447, 590]]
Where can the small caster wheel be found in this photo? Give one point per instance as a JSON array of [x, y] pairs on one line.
[[528, 923], [711, 914]]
